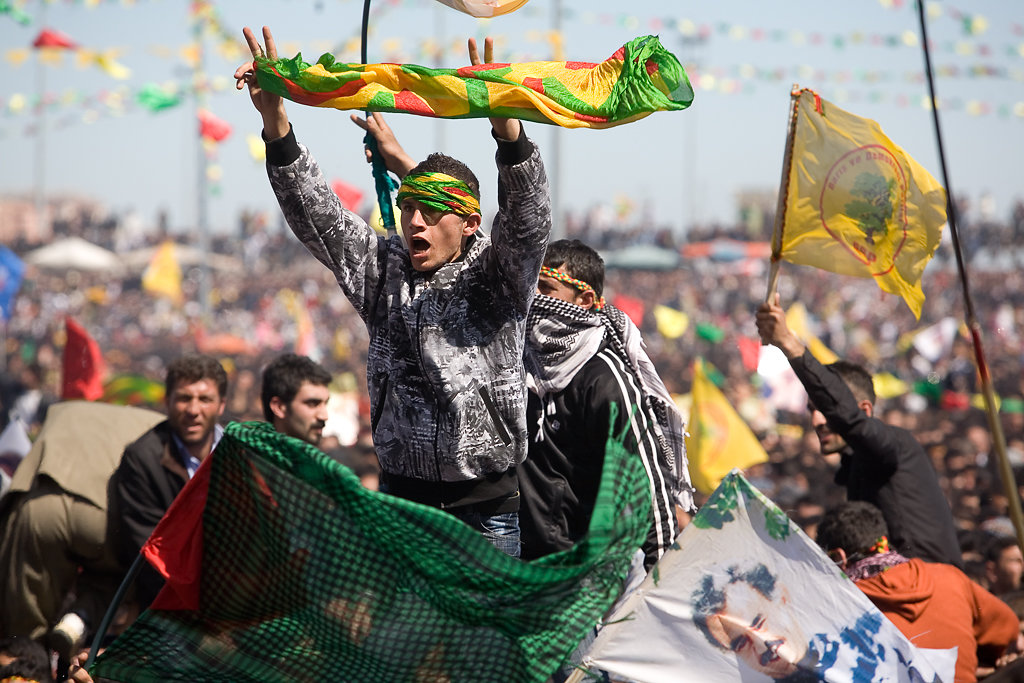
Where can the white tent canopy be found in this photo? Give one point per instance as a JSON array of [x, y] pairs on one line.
[[74, 253]]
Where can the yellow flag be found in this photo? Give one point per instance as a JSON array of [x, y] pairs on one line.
[[857, 204], [671, 323], [718, 438], [888, 385], [796, 320], [163, 274]]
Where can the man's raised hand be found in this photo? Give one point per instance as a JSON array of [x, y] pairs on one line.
[[269, 105], [506, 129]]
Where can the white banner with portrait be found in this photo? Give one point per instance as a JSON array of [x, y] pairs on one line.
[[745, 595]]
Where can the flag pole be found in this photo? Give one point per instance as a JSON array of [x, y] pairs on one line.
[[780, 207], [991, 411], [383, 183]]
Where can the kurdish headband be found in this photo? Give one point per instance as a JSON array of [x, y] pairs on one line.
[[439, 191], [578, 284]]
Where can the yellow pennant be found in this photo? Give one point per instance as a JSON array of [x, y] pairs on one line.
[[718, 438]]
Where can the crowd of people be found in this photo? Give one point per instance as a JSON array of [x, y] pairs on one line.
[[469, 396]]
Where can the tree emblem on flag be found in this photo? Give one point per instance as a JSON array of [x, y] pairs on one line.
[[864, 205]]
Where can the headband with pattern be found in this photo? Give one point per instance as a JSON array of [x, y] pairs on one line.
[[439, 191], [578, 284]]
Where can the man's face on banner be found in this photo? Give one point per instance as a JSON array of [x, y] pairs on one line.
[[759, 630]]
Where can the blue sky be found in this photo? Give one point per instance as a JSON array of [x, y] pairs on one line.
[[680, 168]]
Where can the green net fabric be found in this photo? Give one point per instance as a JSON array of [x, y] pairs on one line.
[[307, 576]]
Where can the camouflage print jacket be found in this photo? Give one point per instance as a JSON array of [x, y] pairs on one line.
[[445, 369]]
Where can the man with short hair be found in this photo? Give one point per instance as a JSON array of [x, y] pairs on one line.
[[155, 468], [445, 307], [934, 605], [1004, 564], [294, 396], [879, 463], [589, 377]]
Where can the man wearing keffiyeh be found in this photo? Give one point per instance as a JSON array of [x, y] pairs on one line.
[[588, 374], [445, 306]]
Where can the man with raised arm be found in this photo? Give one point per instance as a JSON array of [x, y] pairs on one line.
[[445, 306]]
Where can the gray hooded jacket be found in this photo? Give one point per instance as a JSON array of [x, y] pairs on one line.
[[445, 369]]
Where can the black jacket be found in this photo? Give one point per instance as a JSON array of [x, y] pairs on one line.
[[146, 483], [886, 466], [560, 477]]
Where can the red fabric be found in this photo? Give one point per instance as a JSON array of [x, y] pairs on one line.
[[50, 38], [213, 128], [83, 364], [750, 352], [175, 548], [938, 606], [631, 306], [350, 195]]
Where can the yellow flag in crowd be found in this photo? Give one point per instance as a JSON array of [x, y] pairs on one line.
[[671, 323], [163, 274], [856, 203], [718, 438], [796, 320]]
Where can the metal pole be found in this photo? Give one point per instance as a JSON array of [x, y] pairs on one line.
[[202, 187], [555, 178], [39, 180], [991, 411]]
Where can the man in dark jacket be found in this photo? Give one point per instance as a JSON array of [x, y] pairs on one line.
[[155, 468], [585, 360], [881, 464]]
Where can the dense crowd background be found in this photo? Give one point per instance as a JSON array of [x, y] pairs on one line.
[[252, 317]]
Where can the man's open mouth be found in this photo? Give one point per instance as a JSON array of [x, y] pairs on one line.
[[418, 245]]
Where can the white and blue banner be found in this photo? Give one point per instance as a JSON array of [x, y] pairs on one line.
[[745, 595]]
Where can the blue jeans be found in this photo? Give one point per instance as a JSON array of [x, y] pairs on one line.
[[502, 529]]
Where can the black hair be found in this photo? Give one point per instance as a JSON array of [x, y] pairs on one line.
[[580, 261], [709, 600], [31, 660], [194, 367], [854, 526], [996, 545], [442, 163], [284, 376], [857, 379]]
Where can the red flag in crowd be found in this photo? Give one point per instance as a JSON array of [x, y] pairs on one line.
[[750, 352], [83, 364], [631, 306], [350, 195], [51, 38]]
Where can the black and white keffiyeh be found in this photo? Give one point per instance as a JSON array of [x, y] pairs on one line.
[[561, 337]]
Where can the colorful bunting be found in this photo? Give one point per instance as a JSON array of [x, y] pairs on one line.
[[718, 440], [640, 78], [50, 38], [857, 204], [213, 128]]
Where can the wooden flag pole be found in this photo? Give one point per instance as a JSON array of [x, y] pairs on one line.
[[991, 410], [780, 207]]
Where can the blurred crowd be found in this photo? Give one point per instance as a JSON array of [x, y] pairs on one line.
[[255, 313]]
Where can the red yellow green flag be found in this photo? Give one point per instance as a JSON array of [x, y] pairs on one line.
[[640, 78], [718, 440], [856, 203]]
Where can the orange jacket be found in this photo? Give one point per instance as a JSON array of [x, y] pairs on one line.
[[938, 606]]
